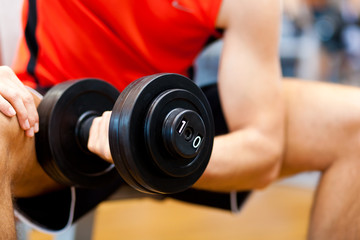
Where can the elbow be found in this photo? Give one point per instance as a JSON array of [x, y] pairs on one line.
[[270, 170]]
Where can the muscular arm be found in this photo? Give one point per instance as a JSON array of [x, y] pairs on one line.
[[250, 91]]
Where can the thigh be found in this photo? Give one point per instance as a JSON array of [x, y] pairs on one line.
[[323, 122]]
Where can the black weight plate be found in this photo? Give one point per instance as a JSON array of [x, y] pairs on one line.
[[57, 147], [127, 137], [167, 101]]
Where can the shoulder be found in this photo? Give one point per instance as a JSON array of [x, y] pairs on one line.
[[248, 13]]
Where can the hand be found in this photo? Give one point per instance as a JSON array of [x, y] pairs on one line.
[[15, 99], [99, 137]]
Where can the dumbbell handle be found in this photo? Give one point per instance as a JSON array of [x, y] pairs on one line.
[[82, 129]]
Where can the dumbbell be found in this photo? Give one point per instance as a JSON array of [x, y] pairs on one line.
[[161, 133]]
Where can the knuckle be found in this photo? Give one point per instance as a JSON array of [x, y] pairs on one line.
[[6, 69], [10, 94], [95, 123], [28, 99], [106, 114], [6, 72], [31, 119], [21, 114]]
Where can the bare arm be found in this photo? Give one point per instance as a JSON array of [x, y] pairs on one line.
[[250, 91]]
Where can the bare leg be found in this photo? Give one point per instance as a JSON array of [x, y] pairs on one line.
[[7, 224], [323, 133], [20, 173]]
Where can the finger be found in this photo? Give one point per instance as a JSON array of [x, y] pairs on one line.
[[105, 133], [92, 144], [28, 102], [98, 138], [30, 132], [6, 108], [16, 98], [33, 116], [104, 139], [21, 113]]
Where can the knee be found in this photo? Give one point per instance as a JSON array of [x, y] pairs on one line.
[[5, 146], [12, 140], [10, 131]]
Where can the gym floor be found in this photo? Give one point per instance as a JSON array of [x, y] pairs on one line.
[[281, 211]]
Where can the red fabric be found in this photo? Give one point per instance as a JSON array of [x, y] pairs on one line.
[[118, 41]]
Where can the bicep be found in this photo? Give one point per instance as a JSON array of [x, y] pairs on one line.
[[249, 74]]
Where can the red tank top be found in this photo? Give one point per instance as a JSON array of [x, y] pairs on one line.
[[118, 41]]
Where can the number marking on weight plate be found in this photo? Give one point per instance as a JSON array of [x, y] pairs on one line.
[[182, 126]]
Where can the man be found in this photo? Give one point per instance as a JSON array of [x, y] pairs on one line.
[[66, 40]]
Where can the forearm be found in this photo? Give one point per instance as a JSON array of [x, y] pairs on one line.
[[242, 160]]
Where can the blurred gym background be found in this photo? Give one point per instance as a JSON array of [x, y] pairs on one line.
[[320, 41]]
